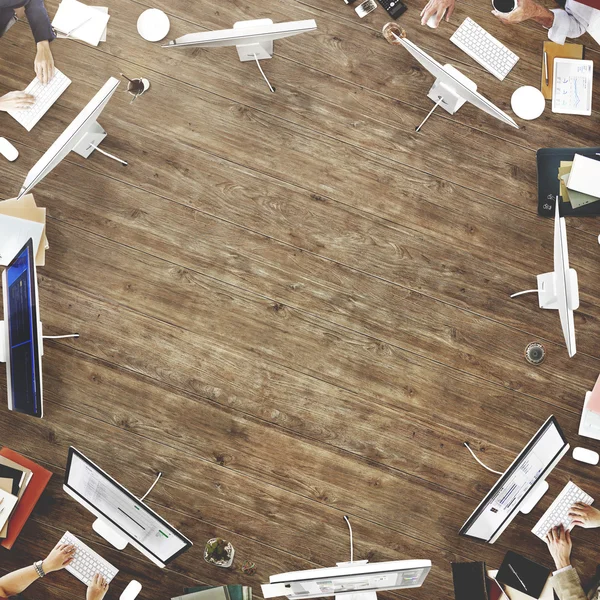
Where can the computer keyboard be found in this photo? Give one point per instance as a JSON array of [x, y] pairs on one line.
[[484, 48], [87, 562], [45, 97], [558, 512]]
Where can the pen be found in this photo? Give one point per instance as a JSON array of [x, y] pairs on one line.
[[520, 580], [546, 67]]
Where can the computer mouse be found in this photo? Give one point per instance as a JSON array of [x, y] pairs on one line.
[[586, 456], [8, 150], [432, 22], [131, 591]]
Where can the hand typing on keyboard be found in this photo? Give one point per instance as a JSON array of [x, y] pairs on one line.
[[16, 100], [60, 556], [583, 515], [560, 545], [97, 589]]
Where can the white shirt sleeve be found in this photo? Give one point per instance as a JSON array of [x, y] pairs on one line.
[[570, 22], [561, 570]]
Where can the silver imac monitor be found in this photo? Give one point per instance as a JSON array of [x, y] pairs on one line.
[[357, 580], [252, 39], [451, 88], [121, 517], [559, 289], [82, 136], [522, 485], [21, 334]]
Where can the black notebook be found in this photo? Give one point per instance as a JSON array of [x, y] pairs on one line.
[[469, 581], [14, 474], [523, 574]]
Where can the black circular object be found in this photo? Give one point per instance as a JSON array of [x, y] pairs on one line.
[[535, 353]]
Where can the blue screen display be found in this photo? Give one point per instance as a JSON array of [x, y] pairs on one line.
[[22, 333]]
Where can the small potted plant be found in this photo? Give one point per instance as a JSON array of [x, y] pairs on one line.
[[219, 552]]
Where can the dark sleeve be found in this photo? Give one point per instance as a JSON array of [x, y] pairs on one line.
[[39, 21]]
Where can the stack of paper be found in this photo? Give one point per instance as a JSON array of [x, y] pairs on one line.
[[79, 21], [575, 176], [14, 480], [226, 592], [20, 220]]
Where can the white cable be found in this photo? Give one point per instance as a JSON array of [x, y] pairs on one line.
[[525, 292], [124, 163], [60, 337], [263, 74], [351, 544], [151, 487], [481, 463]]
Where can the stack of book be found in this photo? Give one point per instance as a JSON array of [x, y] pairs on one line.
[[224, 592], [21, 485], [579, 180]]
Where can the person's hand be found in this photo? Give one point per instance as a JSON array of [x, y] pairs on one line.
[[60, 556], [44, 62], [437, 8], [97, 589], [559, 544], [584, 515], [16, 100], [525, 10]]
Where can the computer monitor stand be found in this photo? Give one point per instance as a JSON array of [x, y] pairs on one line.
[[112, 535], [444, 94], [90, 142], [258, 51], [535, 495], [546, 290]]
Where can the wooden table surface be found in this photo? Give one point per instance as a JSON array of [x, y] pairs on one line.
[[292, 304]]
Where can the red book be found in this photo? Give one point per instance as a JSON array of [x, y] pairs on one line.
[[37, 485]]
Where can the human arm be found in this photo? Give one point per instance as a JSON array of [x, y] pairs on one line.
[[39, 21], [565, 580], [527, 10], [17, 581], [437, 8]]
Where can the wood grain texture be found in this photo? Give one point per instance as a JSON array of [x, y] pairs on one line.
[[293, 305]]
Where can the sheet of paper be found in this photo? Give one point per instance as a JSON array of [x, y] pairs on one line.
[[14, 233], [572, 93], [578, 199], [103, 9], [7, 503], [585, 175], [90, 22]]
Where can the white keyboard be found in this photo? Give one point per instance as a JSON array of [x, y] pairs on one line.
[[87, 562], [45, 97], [558, 512], [484, 48]]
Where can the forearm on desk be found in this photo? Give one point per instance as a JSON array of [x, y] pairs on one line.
[[544, 16], [567, 585], [17, 581]]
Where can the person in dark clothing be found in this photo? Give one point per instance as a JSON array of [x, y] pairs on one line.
[[39, 21]]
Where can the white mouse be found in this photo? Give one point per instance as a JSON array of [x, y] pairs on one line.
[[432, 22], [586, 456], [131, 591], [8, 150]]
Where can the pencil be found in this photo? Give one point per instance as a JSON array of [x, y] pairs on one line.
[[546, 67]]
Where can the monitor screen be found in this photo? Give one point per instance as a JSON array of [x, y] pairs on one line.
[[532, 465], [21, 314], [121, 509], [355, 578]]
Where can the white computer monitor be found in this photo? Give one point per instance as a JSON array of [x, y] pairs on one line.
[[521, 486], [121, 517], [82, 136], [559, 289], [360, 579], [21, 334], [451, 88], [252, 39]]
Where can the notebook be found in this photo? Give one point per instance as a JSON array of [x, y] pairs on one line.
[[86, 23], [469, 580], [585, 175], [523, 574], [553, 51], [38, 482]]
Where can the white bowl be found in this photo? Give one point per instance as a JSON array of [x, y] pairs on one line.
[[528, 102], [153, 25]]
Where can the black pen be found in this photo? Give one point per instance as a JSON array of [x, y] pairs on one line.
[[520, 580]]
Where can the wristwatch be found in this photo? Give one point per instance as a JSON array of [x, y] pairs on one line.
[[39, 569]]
